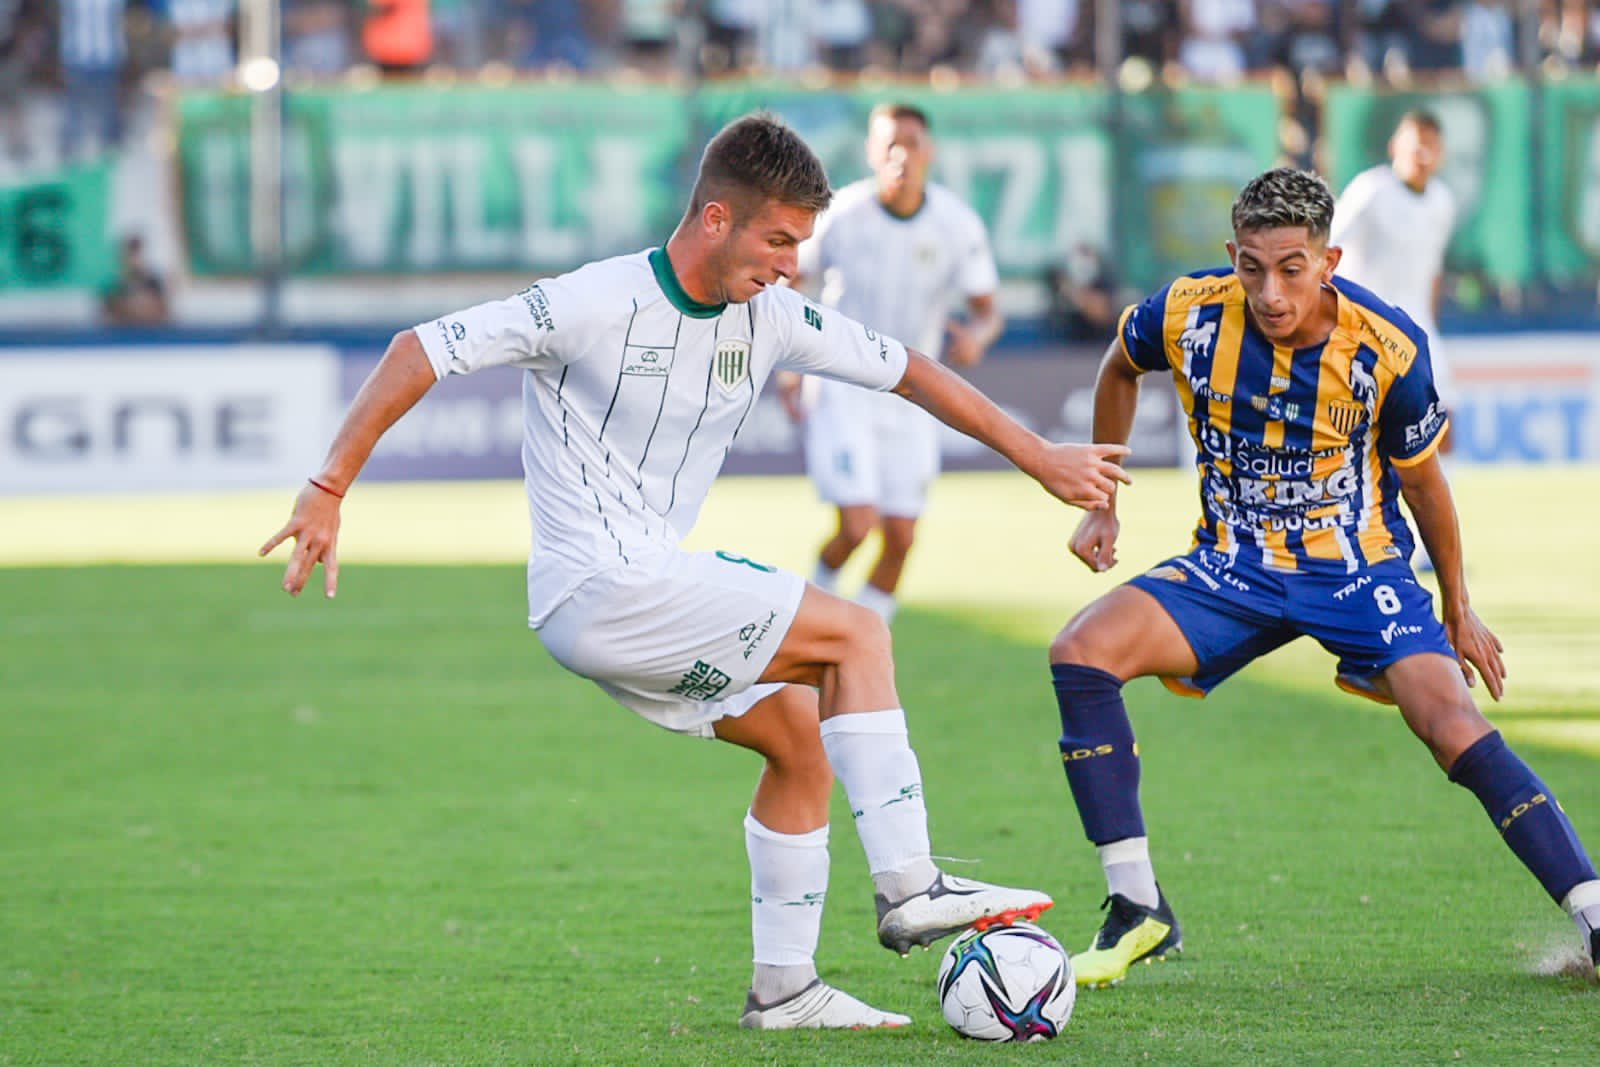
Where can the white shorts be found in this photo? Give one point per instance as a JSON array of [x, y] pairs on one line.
[[681, 643], [871, 448]]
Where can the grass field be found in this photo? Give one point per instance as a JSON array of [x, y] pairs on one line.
[[389, 830]]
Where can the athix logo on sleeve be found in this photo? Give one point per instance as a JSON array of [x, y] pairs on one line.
[[813, 317]]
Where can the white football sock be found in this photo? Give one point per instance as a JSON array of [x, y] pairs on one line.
[[1129, 871], [872, 758], [877, 600], [825, 578], [788, 884], [1583, 904]]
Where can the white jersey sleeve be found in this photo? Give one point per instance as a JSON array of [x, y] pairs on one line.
[[823, 340], [978, 275], [549, 324]]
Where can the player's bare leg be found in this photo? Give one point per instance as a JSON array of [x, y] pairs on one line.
[[786, 836], [1123, 635], [856, 523], [1440, 710], [878, 594], [844, 651]]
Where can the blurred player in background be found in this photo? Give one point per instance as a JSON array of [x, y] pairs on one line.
[[1394, 222], [897, 253], [640, 370], [1312, 408]]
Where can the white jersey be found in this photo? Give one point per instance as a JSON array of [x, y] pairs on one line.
[[632, 398], [1394, 239], [901, 276]]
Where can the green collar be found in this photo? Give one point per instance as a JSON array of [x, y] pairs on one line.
[[674, 290]]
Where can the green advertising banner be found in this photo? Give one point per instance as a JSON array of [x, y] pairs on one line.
[[53, 231], [1488, 144], [1571, 208], [425, 180], [538, 179]]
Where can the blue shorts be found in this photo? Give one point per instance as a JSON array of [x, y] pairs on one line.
[[1231, 611]]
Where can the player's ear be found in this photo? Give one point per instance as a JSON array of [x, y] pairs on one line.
[[717, 219], [1330, 261], [1233, 254]]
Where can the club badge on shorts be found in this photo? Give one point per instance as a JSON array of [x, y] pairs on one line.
[[732, 366]]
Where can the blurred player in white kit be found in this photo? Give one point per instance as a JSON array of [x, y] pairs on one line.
[[1394, 223], [899, 254]]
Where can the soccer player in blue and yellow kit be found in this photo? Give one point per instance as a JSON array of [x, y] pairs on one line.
[[1313, 411]]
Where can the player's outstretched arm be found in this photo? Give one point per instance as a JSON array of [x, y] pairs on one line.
[[1116, 396], [399, 380], [1427, 494], [1082, 475]]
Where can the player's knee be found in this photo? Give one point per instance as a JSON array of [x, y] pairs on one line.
[[1075, 645], [855, 525], [897, 541], [866, 632]]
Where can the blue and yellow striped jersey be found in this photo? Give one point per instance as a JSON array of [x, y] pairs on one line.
[[1296, 448]]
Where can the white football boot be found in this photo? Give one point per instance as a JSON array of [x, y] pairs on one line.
[[950, 905], [818, 1006]]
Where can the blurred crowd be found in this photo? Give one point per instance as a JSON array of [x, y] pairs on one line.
[[91, 57]]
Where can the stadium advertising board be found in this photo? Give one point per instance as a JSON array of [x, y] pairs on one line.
[[1526, 398], [539, 179], [164, 417], [53, 231], [471, 427]]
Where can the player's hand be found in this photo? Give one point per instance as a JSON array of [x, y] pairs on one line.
[[1084, 476], [314, 525], [963, 349], [1476, 646], [790, 385], [1095, 539]]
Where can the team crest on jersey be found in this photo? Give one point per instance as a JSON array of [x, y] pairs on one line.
[[1345, 415], [732, 365]]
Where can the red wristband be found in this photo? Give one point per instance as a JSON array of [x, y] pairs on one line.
[[326, 488]]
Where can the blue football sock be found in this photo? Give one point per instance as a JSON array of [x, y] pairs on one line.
[[1098, 752], [1526, 814]]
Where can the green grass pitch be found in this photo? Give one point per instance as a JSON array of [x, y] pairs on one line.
[[236, 828]]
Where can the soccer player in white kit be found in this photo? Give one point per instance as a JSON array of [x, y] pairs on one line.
[[898, 253], [639, 372], [1394, 223]]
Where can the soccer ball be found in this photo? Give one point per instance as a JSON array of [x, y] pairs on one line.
[[1007, 983]]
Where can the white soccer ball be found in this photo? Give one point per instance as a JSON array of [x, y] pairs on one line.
[[1008, 983]]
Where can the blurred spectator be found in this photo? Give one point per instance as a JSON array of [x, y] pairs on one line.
[[1149, 30], [459, 31], [1054, 35], [550, 34], [21, 41], [316, 37], [731, 27], [1302, 35], [1569, 30], [93, 50], [1214, 36], [139, 298], [649, 34], [842, 30], [398, 35], [1488, 40], [1083, 296], [202, 42]]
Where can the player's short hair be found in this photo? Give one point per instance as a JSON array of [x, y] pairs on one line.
[[755, 159], [1284, 197], [1421, 118], [896, 110]]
